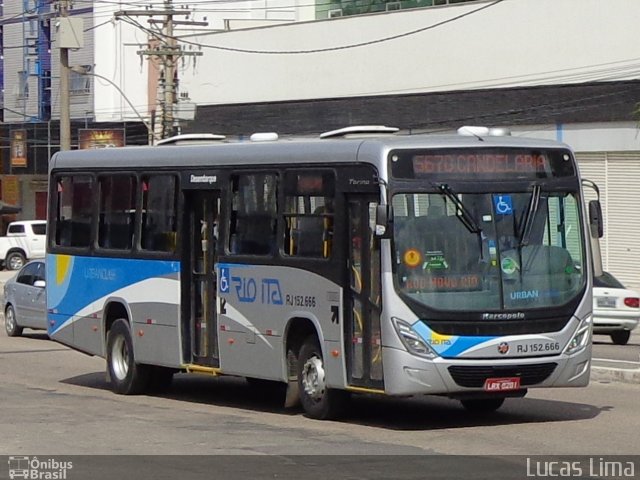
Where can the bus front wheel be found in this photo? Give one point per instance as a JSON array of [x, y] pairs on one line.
[[127, 377], [318, 400]]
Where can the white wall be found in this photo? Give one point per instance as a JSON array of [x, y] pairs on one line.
[[515, 42], [512, 43], [588, 137], [115, 47], [117, 43]]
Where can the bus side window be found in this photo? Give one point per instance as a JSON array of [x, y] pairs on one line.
[[73, 217], [117, 211], [309, 234], [159, 219], [308, 213], [253, 215]]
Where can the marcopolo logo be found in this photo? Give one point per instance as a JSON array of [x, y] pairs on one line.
[[38, 469]]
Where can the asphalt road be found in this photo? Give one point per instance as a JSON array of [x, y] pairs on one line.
[[56, 402]]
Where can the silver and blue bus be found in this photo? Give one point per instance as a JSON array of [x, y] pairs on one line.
[[363, 261]]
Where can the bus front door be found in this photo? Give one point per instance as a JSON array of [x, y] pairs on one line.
[[363, 306], [202, 209]]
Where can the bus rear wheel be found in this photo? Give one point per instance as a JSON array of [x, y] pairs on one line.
[[127, 377], [318, 400], [481, 405]]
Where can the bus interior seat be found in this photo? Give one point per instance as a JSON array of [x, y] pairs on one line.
[[309, 236], [545, 259], [74, 233], [545, 266], [254, 235]]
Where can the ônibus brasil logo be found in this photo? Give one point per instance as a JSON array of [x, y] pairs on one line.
[[32, 468]]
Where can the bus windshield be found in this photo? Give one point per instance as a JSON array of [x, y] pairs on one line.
[[488, 251]]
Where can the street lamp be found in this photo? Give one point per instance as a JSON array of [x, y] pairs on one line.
[[83, 71]]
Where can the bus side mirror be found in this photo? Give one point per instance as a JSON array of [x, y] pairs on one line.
[[595, 219], [384, 221]]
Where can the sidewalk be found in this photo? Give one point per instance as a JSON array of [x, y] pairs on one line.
[[610, 370]]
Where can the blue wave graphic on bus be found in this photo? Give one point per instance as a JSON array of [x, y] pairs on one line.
[[75, 282], [448, 346]]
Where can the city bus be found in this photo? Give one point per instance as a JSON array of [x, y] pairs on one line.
[[365, 261]]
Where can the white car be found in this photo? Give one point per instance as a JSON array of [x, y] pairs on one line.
[[616, 309]]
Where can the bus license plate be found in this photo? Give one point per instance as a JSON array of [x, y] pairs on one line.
[[502, 384]]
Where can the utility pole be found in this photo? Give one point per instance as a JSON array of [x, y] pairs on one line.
[[65, 115], [169, 75], [168, 52]]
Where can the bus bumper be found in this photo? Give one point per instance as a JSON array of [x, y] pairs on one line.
[[406, 374]]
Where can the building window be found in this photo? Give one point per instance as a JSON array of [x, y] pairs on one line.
[[80, 84], [23, 84]]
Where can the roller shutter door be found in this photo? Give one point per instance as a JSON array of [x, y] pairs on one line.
[[618, 177], [623, 207]]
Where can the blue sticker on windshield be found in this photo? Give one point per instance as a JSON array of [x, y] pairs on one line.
[[503, 205]]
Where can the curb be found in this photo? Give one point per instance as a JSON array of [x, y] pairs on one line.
[[623, 375]]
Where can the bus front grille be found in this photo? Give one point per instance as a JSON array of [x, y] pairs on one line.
[[475, 376], [497, 328]]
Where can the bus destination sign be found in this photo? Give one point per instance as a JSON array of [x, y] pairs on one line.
[[481, 163]]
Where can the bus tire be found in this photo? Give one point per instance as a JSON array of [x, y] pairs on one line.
[[620, 337], [127, 377], [482, 405], [15, 261], [318, 401]]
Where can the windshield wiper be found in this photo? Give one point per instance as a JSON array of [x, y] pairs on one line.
[[527, 222], [461, 211]]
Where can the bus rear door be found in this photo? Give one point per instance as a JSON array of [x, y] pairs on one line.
[[202, 208]]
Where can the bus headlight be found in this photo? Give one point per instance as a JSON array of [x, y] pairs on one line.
[[580, 339], [411, 340]]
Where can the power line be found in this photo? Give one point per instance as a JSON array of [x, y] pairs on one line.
[[331, 49]]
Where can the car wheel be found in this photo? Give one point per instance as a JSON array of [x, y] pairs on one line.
[[15, 261], [127, 376], [482, 405], [318, 400], [10, 323], [621, 337]]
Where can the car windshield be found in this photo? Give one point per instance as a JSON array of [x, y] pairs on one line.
[[488, 251], [606, 280]]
